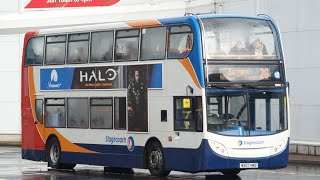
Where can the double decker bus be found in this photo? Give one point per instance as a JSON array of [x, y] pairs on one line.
[[198, 93]]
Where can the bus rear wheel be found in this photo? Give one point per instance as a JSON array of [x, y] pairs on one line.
[[155, 160], [53, 154]]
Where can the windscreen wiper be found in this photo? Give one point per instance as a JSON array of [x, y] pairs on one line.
[[248, 86]]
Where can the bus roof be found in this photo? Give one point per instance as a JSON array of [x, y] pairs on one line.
[[141, 23]]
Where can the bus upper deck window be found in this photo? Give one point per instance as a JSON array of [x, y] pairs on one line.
[[153, 43], [78, 48], [180, 41], [34, 51], [127, 45], [101, 46], [56, 49]]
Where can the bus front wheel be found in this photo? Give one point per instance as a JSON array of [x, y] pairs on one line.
[[155, 160]]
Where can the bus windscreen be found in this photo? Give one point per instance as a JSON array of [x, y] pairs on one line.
[[245, 39]]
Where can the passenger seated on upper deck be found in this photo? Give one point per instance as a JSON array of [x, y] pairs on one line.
[[257, 48], [238, 49], [181, 47]]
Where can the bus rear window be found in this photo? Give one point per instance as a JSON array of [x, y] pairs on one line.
[[34, 52]]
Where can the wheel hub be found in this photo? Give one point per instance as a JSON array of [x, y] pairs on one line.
[[54, 153], [155, 158]]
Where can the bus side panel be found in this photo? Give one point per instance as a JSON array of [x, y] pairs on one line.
[[111, 160], [179, 159], [106, 155], [195, 160]]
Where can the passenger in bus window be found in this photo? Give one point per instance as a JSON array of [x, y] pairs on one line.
[[189, 42], [238, 49], [257, 48], [78, 56], [119, 52], [185, 51], [54, 119]]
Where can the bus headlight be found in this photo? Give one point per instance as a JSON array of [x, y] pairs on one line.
[[218, 148], [280, 147]]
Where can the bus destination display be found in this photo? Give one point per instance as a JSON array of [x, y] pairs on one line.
[[227, 73]]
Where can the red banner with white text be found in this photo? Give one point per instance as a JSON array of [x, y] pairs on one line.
[[68, 3]]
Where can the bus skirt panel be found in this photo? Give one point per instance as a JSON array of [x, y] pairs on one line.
[[204, 159]]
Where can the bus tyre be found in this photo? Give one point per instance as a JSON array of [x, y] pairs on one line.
[[53, 153], [155, 161], [231, 173]]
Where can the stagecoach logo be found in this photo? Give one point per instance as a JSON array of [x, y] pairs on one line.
[[121, 140], [249, 143], [130, 144], [54, 79], [239, 142]]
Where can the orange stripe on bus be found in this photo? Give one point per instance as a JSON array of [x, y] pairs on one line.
[[65, 144], [143, 23], [32, 100], [188, 66]]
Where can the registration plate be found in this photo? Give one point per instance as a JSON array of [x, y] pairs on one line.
[[248, 165]]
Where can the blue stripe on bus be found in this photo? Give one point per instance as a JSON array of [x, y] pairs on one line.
[[110, 159], [69, 77], [155, 77], [119, 149], [202, 159]]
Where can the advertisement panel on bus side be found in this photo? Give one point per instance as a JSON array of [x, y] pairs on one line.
[[105, 77]]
